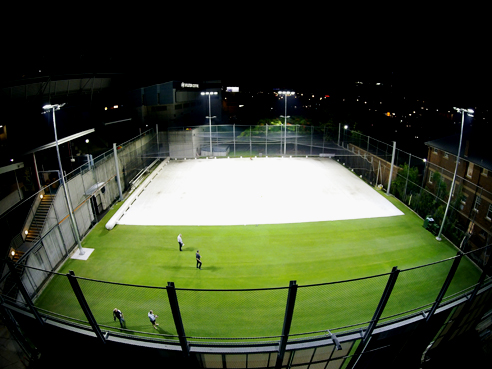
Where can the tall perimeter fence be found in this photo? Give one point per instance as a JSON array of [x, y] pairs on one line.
[[320, 325]]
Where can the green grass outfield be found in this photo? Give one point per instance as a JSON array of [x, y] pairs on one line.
[[249, 257]]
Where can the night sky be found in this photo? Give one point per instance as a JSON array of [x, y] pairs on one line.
[[256, 53], [429, 65]]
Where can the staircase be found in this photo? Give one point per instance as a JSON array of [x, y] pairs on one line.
[[34, 232]]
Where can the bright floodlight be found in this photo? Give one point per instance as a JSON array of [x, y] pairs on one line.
[[469, 111], [54, 106], [286, 92]]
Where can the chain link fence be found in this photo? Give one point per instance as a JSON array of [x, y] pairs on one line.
[[235, 316], [339, 306]]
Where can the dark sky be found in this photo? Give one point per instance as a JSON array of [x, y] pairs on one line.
[[431, 54]]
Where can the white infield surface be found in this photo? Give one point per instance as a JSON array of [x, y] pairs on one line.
[[258, 191]]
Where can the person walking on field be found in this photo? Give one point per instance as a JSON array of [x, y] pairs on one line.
[[198, 261], [180, 241], [152, 318], [117, 314]]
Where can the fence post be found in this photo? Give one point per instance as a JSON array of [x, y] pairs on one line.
[[289, 312], [85, 307], [234, 137], [395, 272], [391, 169], [297, 129], [311, 149], [324, 132], [23, 291], [377, 314], [339, 130], [445, 286], [118, 180], [178, 322], [408, 174], [250, 148]]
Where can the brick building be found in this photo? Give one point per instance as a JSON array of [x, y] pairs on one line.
[[473, 181]]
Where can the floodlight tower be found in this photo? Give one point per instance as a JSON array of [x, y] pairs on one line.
[[286, 94], [462, 111], [54, 108], [209, 94]]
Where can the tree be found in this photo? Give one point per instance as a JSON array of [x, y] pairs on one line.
[[405, 183]]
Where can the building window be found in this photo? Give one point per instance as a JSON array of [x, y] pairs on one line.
[[478, 201], [483, 234], [485, 172], [464, 197], [431, 174], [489, 212], [435, 151], [446, 155], [469, 172]]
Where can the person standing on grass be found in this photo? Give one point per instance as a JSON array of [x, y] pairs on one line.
[[152, 318], [198, 262], [117, 314], [180, 241]]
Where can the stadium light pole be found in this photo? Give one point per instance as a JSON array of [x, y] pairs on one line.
[[462, 111], [54, 108], [286, 94], [209, 94]]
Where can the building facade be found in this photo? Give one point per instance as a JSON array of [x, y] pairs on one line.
[[177, 103], [472, 195]]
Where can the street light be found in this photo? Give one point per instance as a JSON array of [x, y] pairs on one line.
[[209, 94], [54, 108], [286, 93], [462, 111]]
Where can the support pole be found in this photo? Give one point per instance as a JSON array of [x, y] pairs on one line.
[[85, 307], [118, 179], [36, 171], [266, 139], [391, 169], [289, 312], [178, 322], [9, 321], [408, 174], [311, 149], [382, 303], [324, 132], [377, 315], [297, 128], [445, 286], [339, 130], [22, 289], [65, 187], [157, 139]]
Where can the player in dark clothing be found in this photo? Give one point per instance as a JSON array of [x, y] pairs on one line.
[[198, 262], [117, 314]]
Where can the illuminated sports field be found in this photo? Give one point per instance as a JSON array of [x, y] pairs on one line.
[[258, 225]]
